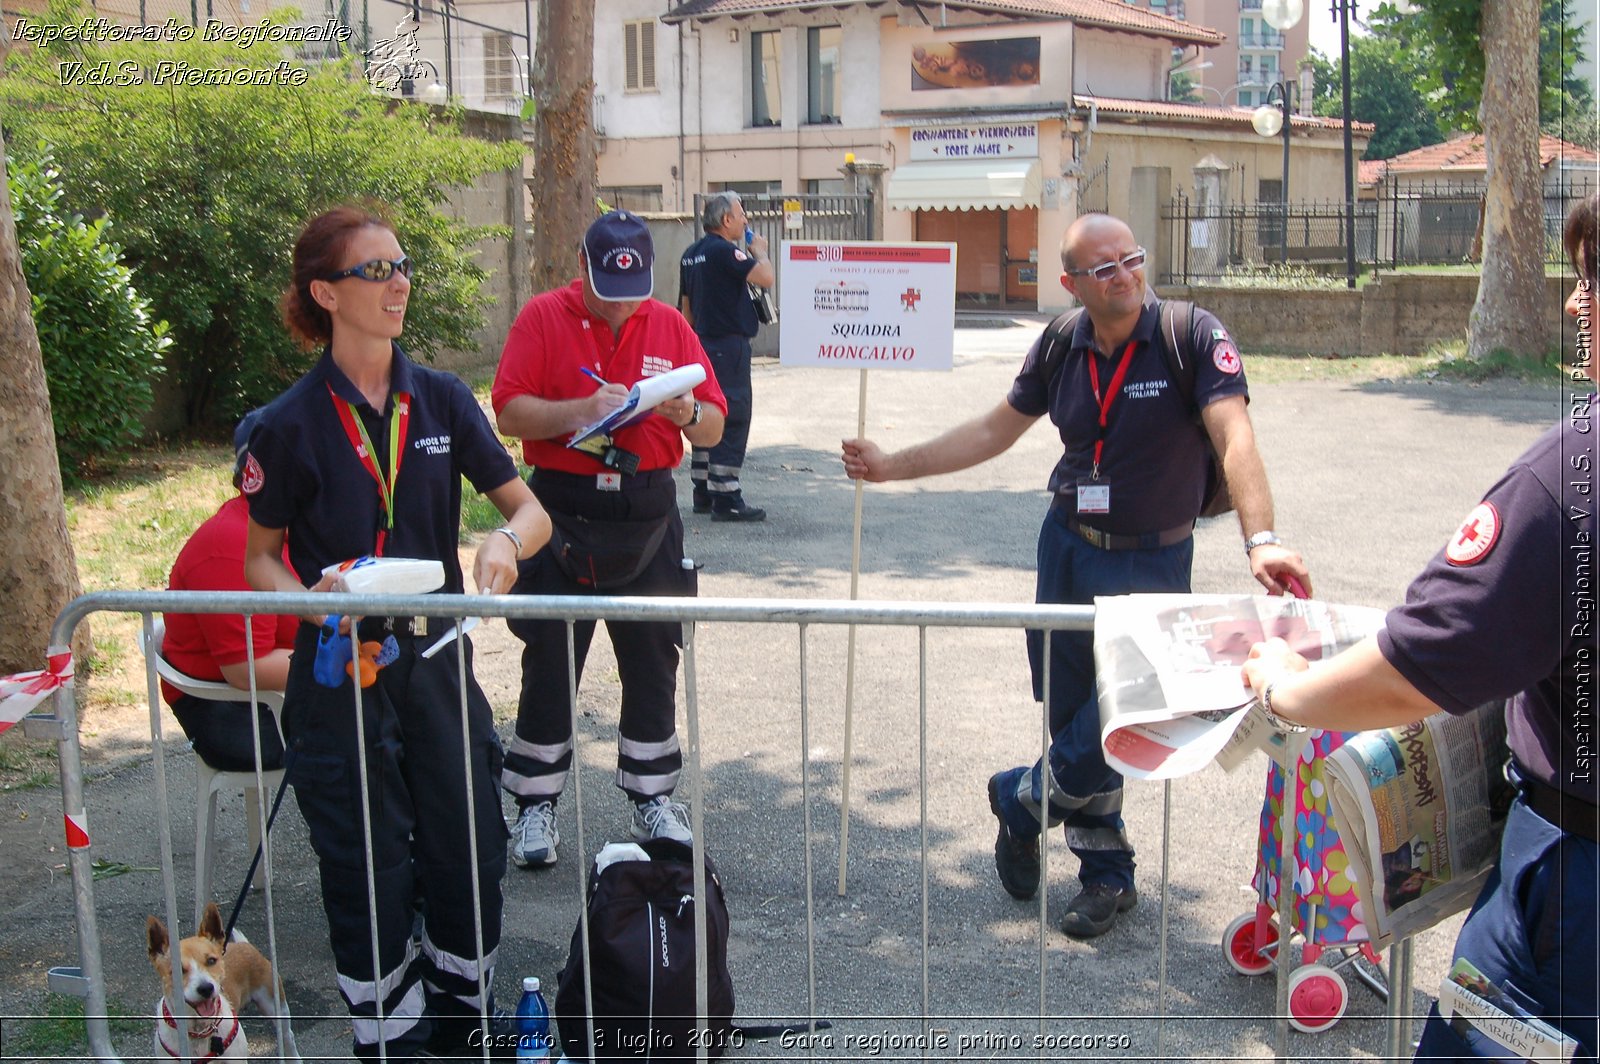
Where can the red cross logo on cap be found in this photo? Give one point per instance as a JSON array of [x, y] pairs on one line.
[[625, 261], [1476, 537]]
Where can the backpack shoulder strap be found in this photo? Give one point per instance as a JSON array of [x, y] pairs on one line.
[[1177, 344], [1056, 342]]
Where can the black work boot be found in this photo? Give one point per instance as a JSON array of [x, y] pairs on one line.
[[1095, 909], [1016, 859]]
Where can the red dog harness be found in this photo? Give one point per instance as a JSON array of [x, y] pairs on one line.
[[219, 1043]]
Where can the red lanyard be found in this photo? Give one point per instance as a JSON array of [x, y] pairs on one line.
[[1112, 390], [357, 434]]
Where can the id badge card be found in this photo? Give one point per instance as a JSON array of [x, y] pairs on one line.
[[1094, 497]]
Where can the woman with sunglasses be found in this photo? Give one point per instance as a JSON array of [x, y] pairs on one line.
[[1506, 608], [364, 455]]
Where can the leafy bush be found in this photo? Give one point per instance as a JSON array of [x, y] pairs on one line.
[[101, 350], [210, 183]]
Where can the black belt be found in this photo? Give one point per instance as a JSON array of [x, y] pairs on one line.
[[377, 627], [1113, 541], [1566, 811], [649, 478]]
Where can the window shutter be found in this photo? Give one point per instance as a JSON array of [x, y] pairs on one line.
[[647, 55], [630, 55]]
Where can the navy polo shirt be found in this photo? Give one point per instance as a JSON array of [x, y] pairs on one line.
[[310, 481], [1506, 609], [1155, 458], [712, 273]]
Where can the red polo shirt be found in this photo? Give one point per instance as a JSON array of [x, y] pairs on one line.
[[555, 336]]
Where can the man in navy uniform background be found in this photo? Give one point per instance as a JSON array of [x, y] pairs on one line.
[[712, 283]]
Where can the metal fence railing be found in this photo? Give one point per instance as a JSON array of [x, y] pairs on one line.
[[1027, 1023], [1412, 224]]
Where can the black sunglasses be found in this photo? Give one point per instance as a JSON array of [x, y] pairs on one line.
[[377, 270]]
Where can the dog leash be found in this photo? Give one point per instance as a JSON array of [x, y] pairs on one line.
[[255, 859]]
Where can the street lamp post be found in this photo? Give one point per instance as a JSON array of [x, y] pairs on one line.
[[1268, 120], [1281, 15], [1341, 11]]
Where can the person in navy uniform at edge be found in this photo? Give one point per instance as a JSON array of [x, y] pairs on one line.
[[1120, 522], [713, 276], [365, 455], [214, 646], [1505, 609], [570, 359]]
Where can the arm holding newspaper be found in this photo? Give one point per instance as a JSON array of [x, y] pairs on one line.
[[1355, 691]]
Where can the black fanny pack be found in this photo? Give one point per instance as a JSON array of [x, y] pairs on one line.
[[605, 554]]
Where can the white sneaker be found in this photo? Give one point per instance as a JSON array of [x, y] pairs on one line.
[[662, 818], [534, 836]]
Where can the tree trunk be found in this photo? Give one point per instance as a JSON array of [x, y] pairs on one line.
[[38, 570], [1510, 314], [563, 140]]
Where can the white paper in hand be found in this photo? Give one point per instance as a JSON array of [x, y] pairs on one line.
[[368, 575], [642, 398]]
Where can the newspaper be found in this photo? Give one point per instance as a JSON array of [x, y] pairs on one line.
[[1420, 809], [1172, 698]]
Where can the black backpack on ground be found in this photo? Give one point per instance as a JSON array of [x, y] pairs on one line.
[[642, 946], [1178, 347]]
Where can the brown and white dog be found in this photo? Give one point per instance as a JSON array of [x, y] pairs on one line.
[[215, 976]]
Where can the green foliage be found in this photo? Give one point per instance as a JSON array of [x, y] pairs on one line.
[[1184, 89], [1384, 79], [212, 182], [1445, 38], [100, 348]]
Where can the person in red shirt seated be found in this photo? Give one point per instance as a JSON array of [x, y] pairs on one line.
[[212, 646]]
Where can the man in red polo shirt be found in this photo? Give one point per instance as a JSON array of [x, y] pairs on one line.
[[212, 646], [570, 360]]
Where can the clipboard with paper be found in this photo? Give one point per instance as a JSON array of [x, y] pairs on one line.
[[642, 398]]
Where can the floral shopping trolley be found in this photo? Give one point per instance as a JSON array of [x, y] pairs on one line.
[[1326, 912]]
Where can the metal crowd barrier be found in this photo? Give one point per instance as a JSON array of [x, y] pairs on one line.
[[87, 980]]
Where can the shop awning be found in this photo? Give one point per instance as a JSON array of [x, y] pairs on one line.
[[964, 184]]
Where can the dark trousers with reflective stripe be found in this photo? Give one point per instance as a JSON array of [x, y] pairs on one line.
[[716, 470], [1085, 792], [1532, 932], [420, 842], [648, 757]]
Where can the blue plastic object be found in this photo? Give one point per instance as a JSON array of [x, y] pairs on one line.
[[333, 654], [749, 235], [533, 1022]]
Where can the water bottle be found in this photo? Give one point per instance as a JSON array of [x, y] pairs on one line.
[[749, 235], [533, 1022]]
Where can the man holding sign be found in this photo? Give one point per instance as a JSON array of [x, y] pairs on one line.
[[575, 356], [1127, 490]]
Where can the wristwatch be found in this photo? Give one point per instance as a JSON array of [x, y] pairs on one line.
[[694, 418], [1261, 539]]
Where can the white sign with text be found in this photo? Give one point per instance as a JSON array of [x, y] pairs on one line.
[[975, 142], [867, 305]]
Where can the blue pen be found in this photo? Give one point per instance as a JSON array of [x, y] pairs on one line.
[[587, 372]]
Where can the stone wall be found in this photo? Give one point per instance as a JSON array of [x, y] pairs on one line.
[[1397, 314]]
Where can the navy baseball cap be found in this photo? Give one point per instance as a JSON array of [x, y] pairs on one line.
[[620, 254], [241, 439]]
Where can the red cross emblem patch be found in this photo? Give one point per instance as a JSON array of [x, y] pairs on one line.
[[253, 478], [624, 261], [1476, 537], [1225, 357]]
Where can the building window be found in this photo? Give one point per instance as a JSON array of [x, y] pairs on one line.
[[747, 189], [825, 186], [1247, 99], [641, 199], [822, 74], [639, 55], [499, 66], [766, 104]]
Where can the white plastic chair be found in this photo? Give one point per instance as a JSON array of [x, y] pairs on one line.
[[210, 781]]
